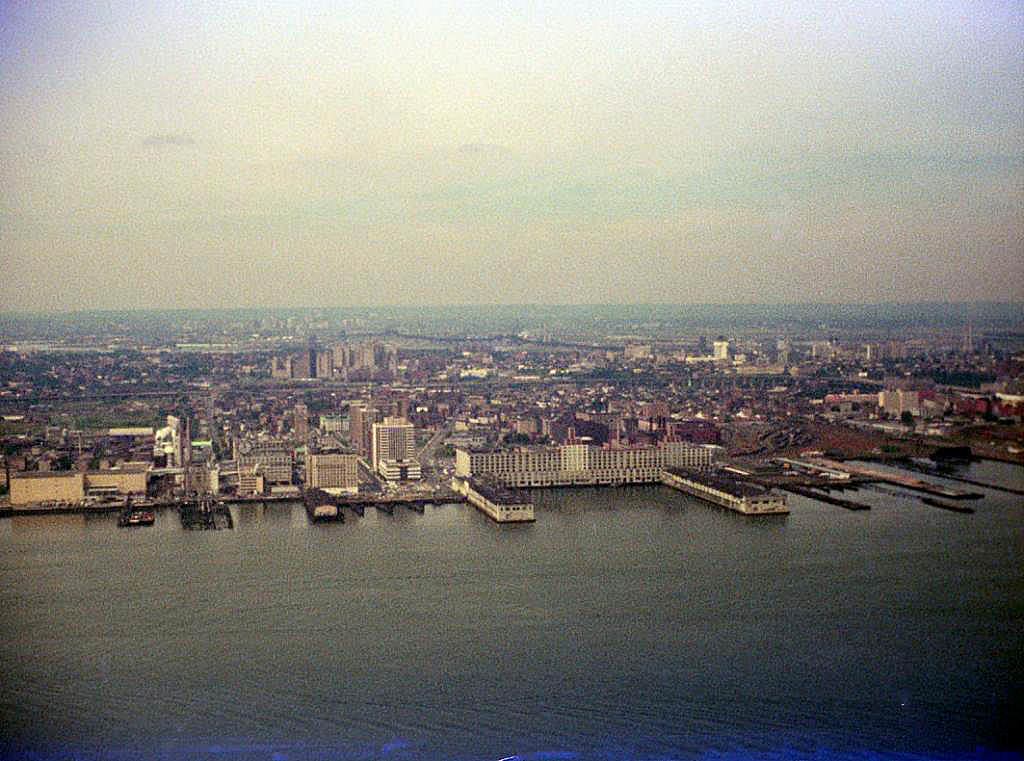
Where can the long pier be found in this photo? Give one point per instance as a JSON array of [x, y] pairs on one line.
[[914, 484], [385, 504], [939, 474], [824, 497]]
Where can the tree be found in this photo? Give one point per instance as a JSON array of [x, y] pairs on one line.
[[907, 418]]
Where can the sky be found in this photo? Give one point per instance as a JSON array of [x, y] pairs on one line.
[[203, 154]]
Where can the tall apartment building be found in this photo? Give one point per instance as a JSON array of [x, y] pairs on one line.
[[369, 357], [300, 423], [281, 368], [332, 471], [304, 364], [583, 463], [324, 363], [896, 402], [394, 450], [361, 418]]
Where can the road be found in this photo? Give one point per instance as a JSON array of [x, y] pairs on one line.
[[426, 454]]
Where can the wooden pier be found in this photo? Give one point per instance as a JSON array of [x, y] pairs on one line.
[[952, 477], [205, 514], [384, 504], [804, 491], [914, 484]]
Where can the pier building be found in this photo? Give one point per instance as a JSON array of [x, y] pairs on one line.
[[741, 496], [492, 498]]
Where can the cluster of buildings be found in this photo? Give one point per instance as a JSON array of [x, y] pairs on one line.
[[245, 419], [370, 360]]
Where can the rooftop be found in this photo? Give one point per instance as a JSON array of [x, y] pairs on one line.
[[732, 486]]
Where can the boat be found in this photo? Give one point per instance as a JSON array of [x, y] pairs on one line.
[[131, 517]]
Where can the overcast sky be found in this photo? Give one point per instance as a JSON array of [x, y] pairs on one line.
[[241, 153]]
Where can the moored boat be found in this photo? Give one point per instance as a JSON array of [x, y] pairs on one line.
[[136, 518]]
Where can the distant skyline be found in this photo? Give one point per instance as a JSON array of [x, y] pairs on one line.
[[231, 154]]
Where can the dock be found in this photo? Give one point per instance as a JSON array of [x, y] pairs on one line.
[[742, 496], [914, 484], [204, 514], [804, 491], [384, 503], [952, 507], [940, 474], [494, 499]]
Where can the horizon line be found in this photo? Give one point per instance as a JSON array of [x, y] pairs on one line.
[[337, 307]]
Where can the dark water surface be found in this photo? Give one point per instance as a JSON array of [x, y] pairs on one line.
[[629, 623]]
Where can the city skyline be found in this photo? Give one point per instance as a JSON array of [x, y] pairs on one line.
[[224, 155]]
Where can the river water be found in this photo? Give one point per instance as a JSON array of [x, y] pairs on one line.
[[625, 623]]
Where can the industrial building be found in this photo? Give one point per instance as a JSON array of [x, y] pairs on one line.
[[73, 486], [741, 496], [581, 464], [494, 500]]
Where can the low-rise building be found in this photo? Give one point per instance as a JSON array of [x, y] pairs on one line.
[[73, 486]]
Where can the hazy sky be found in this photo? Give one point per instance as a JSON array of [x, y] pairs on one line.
[[304, 153]]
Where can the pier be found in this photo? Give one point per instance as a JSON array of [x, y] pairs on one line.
[[204, 514], [914, 484], [742, 496], [385, 504], [804, 491], [946, 505], [495, 500], [950, 476]]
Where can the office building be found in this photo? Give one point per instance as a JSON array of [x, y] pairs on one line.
[[332, 471], [394, 450], [273, 458]]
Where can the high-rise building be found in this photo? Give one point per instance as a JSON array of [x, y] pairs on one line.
[[281, 367], [394, 450], [300, 423], [324, 363], [721, 349], [896, 402], [304, 365], [361, 418]]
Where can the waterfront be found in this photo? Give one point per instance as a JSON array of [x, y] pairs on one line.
[[625, 623]]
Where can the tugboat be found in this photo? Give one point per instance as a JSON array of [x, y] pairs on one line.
[[132, 517]]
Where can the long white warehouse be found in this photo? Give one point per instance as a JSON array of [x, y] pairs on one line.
[[582, 464]]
